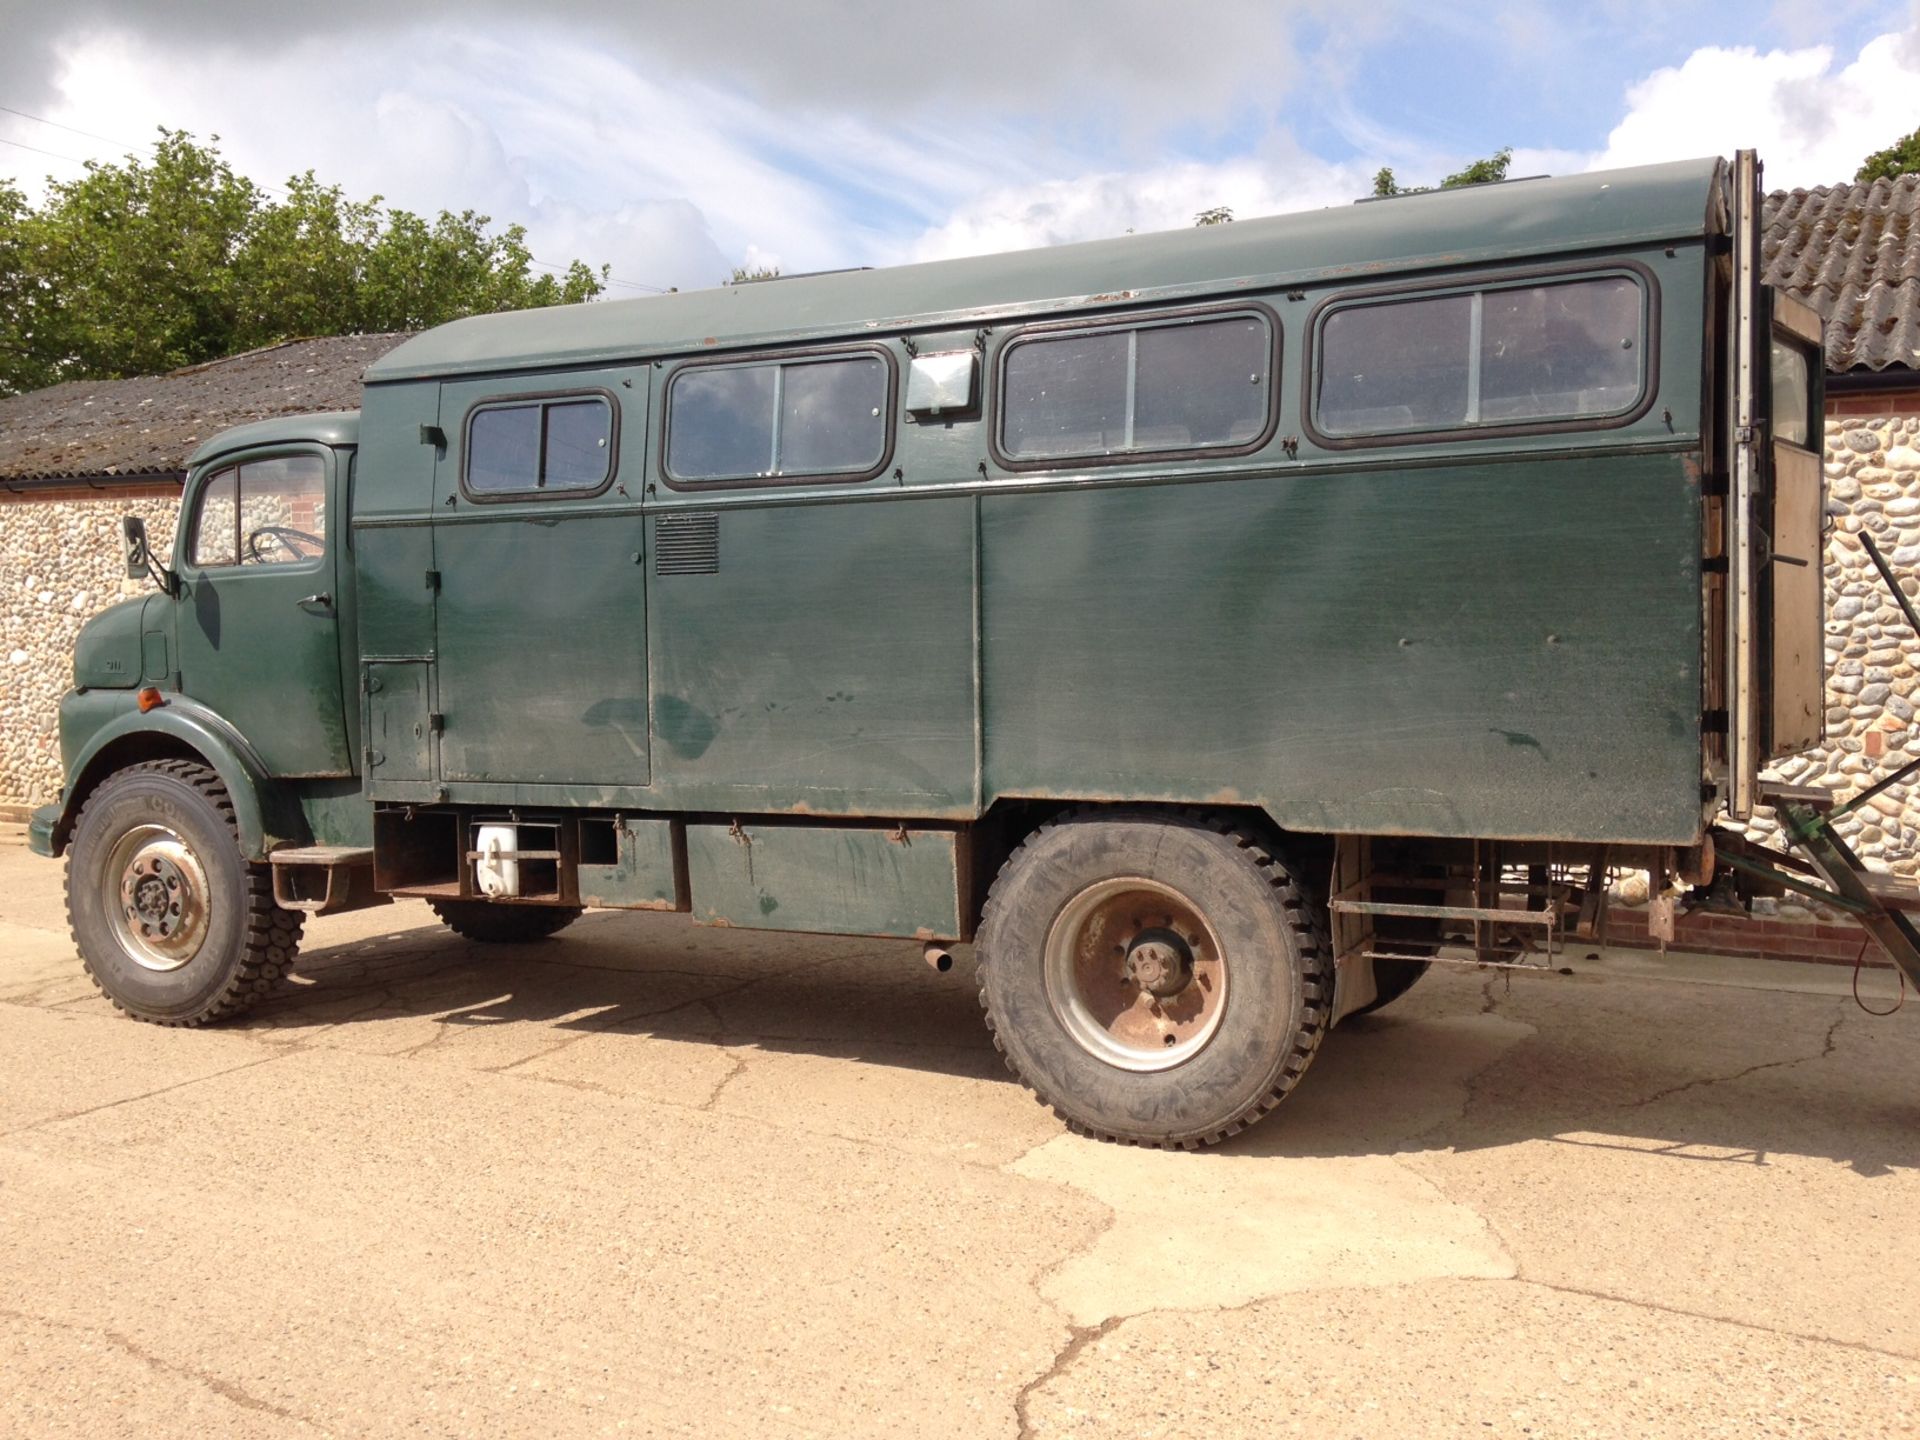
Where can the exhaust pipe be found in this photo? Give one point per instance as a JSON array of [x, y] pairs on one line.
[[938, 957]]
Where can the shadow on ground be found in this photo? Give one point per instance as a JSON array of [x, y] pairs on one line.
[[1707, 1075]]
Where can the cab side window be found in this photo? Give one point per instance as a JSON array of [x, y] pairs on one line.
[[265, 512]]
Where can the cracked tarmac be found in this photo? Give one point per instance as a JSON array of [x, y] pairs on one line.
[[646, 1178]]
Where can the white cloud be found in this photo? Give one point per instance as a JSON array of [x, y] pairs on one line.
[[1166, 197], [1812, 123]]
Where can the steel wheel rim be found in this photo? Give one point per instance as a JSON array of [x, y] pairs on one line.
[[1110, 981], [157, 893]]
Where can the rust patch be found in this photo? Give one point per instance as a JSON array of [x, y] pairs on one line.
[[1690, 464], [710, 340], [1227, 795], [1110, 298]]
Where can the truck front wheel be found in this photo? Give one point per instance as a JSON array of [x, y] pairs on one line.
[[174, 926], [1156, 980]]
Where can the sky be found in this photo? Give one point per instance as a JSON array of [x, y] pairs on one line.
[[674, 141]]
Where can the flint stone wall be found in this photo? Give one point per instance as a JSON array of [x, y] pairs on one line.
[[61, 562]]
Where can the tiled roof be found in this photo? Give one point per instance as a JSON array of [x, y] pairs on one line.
[[149, 426], [1853, 253]]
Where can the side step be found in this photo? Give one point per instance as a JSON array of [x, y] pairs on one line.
[[324, 879]]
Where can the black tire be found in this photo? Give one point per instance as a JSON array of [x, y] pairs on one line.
[[165, 829], [491, 924], [1276, 976]]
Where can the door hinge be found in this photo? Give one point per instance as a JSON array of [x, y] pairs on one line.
[[436, 722], [433, 579]]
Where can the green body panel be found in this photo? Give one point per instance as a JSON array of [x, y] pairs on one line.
[[107, 651], [542, 610], [1500, 650], [826, 666], [336, 812], [642, 876], [828, 879], [398, 720], [260, 644]]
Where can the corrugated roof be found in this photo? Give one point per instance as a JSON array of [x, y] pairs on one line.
[[1853, 253], [149, 425]]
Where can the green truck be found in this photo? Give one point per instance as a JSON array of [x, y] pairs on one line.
[[1216, 628]]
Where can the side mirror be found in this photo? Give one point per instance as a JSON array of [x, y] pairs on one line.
[[140, 554], [139, 557]]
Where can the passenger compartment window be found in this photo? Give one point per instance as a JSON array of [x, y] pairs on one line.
[[1507, 355], [792, 419], [564, 444], [1191, 384], [265, 512]]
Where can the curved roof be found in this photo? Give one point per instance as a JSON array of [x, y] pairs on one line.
[[329, 427], [1645, 205]]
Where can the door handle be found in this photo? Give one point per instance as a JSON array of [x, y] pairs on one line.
[[323, 598]]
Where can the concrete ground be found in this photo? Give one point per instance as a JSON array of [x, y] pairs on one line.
[[652, 1179]]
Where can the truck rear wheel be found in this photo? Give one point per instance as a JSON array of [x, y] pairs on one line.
[[174, 926], [1155, 980], [491, 924]]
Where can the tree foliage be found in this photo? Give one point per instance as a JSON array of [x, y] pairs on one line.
[[1480, 172], [172, 259], [748, 274], [1900, 158], [1218, 215]]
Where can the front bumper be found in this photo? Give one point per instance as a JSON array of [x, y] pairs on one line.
[[40, 831]]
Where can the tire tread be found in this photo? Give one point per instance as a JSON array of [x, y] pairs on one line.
[[272, 933], [1302, 916]]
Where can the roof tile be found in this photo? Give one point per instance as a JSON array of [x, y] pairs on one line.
[[1853, 253], [149, 425]]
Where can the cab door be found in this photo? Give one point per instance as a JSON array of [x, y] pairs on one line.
[[538, 541], [258, 630]]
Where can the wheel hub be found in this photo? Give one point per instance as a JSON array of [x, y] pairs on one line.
[[158, 888], [1135, 975], [1160, 962]]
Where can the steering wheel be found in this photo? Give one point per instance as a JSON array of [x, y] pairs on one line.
[[298, 541]]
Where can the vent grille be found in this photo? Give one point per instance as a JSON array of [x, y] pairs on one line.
[[686, 545]]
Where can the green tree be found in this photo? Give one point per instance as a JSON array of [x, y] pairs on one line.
[[1218, 215], [748, 274], [1900, 158], [172, 259], [1480, 172]]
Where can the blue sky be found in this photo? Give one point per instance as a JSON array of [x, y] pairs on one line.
[[674, 141]]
